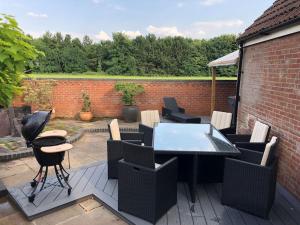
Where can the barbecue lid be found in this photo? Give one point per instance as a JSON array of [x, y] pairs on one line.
[[34, 123]]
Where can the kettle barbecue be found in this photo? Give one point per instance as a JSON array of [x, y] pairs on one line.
[[32, 125]]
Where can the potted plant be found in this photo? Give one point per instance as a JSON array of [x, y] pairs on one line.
[[129, 91], [86, 114]]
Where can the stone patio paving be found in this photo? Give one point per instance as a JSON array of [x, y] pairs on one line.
[[90, 148]]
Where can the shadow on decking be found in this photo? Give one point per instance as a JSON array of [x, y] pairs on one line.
[[92, 182]]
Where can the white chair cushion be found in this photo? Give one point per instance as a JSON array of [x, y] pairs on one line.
[[50, 133], [150, 117], [115, 130], [157, 165], [259, 133], [267, 151], [221, 120], [57, 148]]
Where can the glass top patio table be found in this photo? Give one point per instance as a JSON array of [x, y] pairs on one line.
[[191, 139]]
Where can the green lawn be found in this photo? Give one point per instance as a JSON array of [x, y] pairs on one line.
[[104, 76]]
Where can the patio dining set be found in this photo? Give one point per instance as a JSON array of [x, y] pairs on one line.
[[148, 164]]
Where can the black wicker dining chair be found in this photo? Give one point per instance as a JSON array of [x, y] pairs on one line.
[[223, 122], [250, 181], [114, 146], [148, 120], [256, 141], [146, 189]]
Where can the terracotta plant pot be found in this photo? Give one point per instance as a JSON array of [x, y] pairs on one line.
[[86, 116]]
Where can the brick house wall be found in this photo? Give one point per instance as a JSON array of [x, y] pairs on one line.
[[194, 96], [270, 92]]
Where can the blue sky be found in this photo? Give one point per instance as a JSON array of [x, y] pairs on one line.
[[99, 18]]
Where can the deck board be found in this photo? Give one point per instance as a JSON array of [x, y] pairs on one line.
[[92, 181]]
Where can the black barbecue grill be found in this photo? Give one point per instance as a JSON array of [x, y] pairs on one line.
[[33, 124]]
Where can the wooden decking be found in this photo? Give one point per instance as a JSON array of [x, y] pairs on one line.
[[92, 181]]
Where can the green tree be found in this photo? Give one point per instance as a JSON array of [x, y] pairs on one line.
[[15, 52], [74, 57], [219, 46], [119, 59], [143, 55], [92, 53]]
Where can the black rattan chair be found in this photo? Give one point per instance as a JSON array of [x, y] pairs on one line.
[[145, 189], [114, 146], [255, 141], [148, 120], [173, 112], [148, 134], [250, 181], [222, 121]]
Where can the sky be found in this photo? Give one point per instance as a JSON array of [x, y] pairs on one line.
[[195, 19]]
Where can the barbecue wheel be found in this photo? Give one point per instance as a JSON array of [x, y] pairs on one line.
[[31, 198], [33, 183], [69, 191]]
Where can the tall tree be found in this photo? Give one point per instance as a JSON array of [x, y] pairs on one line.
[[143, 55]]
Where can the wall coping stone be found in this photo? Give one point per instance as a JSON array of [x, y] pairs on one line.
[[131, 80]]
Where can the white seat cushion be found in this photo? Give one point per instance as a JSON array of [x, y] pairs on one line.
[[259, 133], [57, 148], [221, 120], [157, 165], [115, 130], [50, 133], [150, 117], [267, 151]]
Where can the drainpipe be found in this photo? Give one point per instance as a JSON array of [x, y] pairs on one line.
[[237, 97]]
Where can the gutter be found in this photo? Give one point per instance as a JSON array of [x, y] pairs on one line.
[[237, 96]]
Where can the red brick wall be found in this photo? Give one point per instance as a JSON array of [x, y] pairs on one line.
[[270, 92], [194, 96]]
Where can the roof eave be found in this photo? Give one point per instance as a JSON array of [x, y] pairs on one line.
[[265, 32]]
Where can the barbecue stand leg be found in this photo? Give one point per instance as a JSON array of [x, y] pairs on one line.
[[65, 179], [39, 175], [58, 176], [63, 171], [34, 182], [44, 178], [69, 159]]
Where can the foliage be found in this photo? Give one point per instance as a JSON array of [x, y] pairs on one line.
[[15, 54], [144, 55], [129, 91], [86, 107], [39, 93]]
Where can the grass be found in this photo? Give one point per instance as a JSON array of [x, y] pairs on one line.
[[123, 77], [10, 145]]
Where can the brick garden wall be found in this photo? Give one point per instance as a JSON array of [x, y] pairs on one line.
[[194, 96], [270, 92]]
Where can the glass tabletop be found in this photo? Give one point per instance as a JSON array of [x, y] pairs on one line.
[[191, 138]]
